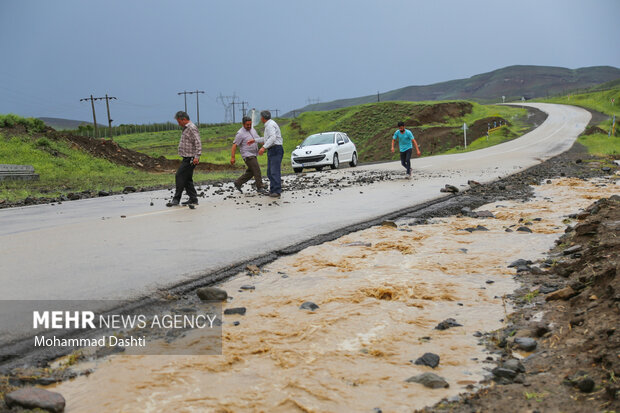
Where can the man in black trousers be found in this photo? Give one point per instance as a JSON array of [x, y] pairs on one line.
[[190, 149]]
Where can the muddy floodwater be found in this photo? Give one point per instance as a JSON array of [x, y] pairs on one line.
[[380, 293]]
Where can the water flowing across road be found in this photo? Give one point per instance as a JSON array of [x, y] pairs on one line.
[[380, 293]]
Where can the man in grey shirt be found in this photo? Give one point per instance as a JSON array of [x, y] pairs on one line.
[[248, 151], [272, 143]]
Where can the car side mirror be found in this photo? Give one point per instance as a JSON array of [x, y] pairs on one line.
[[340, 142]]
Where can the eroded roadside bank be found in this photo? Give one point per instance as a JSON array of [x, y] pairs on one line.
[[287, 358]]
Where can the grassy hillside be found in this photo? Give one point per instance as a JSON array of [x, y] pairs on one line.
[[437, 126], [64, 169], [512, 82], [597, 138]]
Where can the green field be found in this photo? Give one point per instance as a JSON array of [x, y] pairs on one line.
[[362, 123], [63, 169], [597, 143]]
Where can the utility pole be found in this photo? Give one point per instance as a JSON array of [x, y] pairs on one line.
[[197, 106], [107, 104], [185, 93], [233, 103], [378, 98], [92, 103], [243, 108]]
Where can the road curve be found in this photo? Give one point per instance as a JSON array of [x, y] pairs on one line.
[[121, 247]]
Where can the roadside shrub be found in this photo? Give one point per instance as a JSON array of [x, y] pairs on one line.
[[43, 143], [34, 124], [31, 124], [7, 121]]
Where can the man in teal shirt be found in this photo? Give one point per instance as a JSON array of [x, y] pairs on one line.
[[405, 143]]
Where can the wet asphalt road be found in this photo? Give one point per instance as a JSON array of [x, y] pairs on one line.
[[121, 247]]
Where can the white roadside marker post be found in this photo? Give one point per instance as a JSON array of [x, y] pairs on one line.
[[465, 134]]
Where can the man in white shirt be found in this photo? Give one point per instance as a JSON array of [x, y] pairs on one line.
[[272, 143]]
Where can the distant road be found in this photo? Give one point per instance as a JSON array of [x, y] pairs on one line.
[[121, 247]]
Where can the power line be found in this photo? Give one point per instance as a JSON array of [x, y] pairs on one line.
[[226, 102], [233, 103], [243, 108], [196, 92], [92, 104], [185, 93]]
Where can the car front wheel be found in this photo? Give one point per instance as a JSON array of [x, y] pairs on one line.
[[335, 163], [353, 160], [297, 170]]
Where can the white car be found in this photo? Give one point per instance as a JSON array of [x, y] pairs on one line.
[[324, 149]]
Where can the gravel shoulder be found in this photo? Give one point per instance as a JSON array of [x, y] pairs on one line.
[[570, 313]]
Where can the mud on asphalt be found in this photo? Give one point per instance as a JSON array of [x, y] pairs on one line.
[[590, 308]]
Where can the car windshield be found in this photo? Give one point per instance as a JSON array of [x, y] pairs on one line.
[[318, 139]]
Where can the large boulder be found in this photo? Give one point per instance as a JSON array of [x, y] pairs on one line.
[[34, 397]]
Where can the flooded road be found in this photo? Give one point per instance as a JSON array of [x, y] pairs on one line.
[[380, 294]]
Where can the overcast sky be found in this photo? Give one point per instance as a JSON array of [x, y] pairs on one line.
[[275, 54]]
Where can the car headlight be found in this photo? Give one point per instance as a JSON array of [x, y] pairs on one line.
[[294, 154], [325, 151]]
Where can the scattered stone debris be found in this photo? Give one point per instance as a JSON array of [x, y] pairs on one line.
[[447, 323], [570, 321], [236, 310], [526, 343], [430, 380], [449, 188], [309, 305], [252, 269], [477, 228], [211, 294], [564, 294], [483, 214], [428, 359]]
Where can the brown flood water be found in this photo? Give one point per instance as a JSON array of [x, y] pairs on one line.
[[377, 303]]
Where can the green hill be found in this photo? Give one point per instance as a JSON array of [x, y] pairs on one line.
[[597, 137], [436, 125], [513, 82], [66, 124]]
